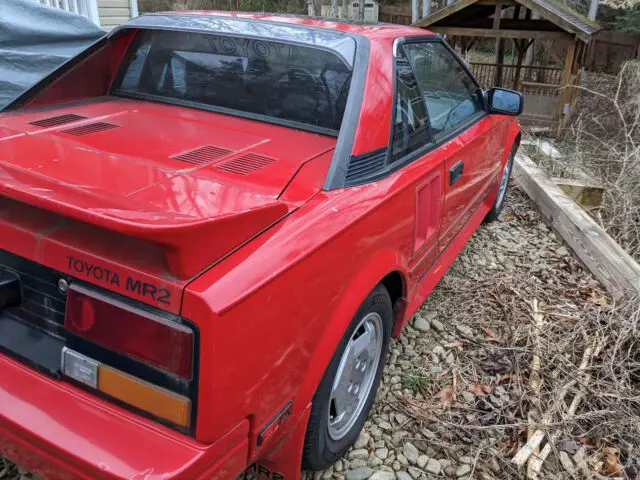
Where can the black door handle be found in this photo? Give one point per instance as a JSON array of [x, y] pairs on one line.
[[455, 172]]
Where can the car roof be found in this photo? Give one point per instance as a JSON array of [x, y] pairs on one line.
[[366, 29]]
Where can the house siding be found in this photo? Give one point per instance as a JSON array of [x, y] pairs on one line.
[[113, 13]]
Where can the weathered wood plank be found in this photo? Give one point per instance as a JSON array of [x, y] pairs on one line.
[[490, 33], [587, 194], [614, 267]]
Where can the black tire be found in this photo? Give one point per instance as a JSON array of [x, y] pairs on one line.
[[320, 450], [498, 204]]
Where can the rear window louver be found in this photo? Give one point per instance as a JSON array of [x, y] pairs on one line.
[[364, 166], [245, 164], [89, 128], [202, 155], [58, 120]]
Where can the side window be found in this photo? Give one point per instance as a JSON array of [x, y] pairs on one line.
[[451, 94], [410, 122]]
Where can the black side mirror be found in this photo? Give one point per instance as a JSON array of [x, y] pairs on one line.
[[504, 101]]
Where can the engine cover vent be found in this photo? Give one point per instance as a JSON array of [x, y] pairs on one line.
[[55, 121], [202, 155], [245, 164], [89, 128]]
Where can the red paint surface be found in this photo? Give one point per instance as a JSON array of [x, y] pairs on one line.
[[271, 313]]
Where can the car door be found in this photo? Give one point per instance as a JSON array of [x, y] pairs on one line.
[[461, 129], [413, 150]]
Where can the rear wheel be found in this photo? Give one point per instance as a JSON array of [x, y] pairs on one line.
[[348, 388], [503, 186]]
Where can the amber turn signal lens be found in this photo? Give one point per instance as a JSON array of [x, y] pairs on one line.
[[144, 395]]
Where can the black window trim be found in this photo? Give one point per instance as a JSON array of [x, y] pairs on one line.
[[436, 143]]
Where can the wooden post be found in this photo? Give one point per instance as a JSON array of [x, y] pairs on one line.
[[522, 45], [497, 80], [565, 79]]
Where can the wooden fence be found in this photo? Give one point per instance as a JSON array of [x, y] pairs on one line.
[[485, 73], [611, 49]]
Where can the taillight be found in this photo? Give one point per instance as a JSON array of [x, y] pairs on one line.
[[147, 337]]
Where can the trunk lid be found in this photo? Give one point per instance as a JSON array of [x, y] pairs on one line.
[[195, 184]]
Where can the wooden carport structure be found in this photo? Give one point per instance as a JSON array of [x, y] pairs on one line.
[[549, 95]]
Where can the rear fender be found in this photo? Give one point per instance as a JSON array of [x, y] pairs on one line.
[[352, 297]]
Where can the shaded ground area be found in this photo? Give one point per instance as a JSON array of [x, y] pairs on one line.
[[500, 349]]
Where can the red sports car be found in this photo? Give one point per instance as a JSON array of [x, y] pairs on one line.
[[212, 224]]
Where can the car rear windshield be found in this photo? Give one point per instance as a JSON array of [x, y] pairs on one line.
[[282, 82]]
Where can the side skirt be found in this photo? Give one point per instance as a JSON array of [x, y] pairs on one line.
[[446, 259]]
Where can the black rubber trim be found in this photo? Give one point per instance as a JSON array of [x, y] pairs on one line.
[[225, 111], [279, 417], [337, 174]]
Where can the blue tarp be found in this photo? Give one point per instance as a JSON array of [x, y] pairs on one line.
[[35, 40]]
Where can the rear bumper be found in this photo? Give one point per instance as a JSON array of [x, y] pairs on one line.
[[60, 432]]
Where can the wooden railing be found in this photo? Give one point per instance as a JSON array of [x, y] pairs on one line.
[[511, 76]]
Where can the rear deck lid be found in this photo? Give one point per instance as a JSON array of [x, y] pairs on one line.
[[196, 183]]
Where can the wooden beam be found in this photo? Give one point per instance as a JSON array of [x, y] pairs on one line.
[[489, 33], [497, 79], [497, 16], [522, 45], [614, 267], [506, 3]]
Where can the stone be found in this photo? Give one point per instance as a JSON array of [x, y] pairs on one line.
[[362, 441], [466, 459], [422, 461], [437, 325], [421, 324], [463, 470], [428, 434], [383, 475], [338, 466], [433, 466], [402, 475], [358, 463], [374, 462], [411, 452], [382, 453], [328, 473], [359, 453], [359, 473], [469, 397], [383, 425]]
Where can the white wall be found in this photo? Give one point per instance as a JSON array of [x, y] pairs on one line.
[[116, 12]]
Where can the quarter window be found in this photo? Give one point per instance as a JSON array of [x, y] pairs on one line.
[[452, 96], [410, 122]]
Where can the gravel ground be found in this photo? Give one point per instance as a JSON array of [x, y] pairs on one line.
[[452, 399]]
